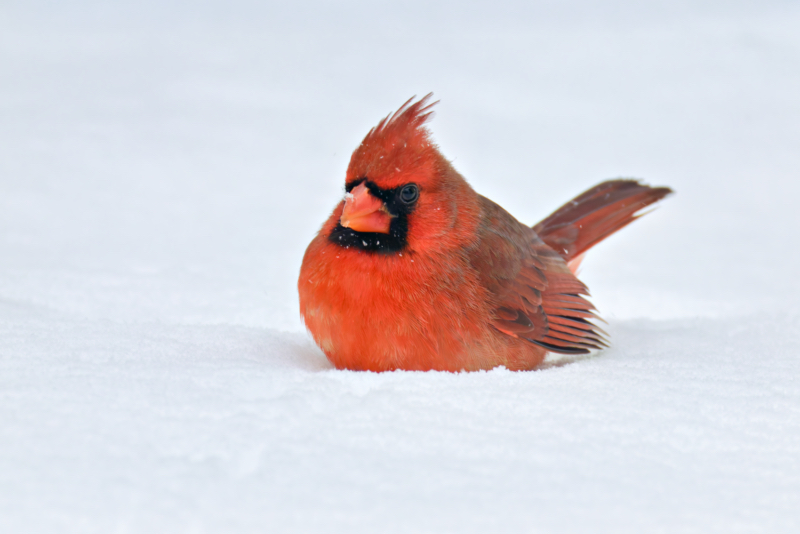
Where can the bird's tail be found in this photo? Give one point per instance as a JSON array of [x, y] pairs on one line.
[[594, 215]]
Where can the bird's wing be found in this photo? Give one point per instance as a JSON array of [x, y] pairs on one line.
[[535, 295]]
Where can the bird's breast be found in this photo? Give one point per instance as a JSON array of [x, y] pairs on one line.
[[391, 311]]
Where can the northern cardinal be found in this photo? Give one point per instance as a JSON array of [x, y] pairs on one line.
[[415, 270]]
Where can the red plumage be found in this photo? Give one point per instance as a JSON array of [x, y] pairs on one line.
[[415, 270]]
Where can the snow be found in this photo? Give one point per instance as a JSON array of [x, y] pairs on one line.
[[164, 164]]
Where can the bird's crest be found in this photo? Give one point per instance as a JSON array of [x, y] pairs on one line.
[[399, 144], [403, 122]]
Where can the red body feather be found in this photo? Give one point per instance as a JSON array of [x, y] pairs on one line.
[[471, 287]]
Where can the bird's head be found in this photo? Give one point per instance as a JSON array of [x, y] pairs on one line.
[[400, 191]]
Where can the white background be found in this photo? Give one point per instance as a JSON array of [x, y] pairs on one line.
[[163, 166]]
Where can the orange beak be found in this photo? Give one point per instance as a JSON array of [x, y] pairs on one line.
[[365, 213]]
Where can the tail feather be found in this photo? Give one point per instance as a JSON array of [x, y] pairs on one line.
[[594, 215]]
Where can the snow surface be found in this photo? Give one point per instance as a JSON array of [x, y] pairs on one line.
[[164, 164]]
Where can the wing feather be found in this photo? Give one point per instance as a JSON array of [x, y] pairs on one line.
[[537, 298]]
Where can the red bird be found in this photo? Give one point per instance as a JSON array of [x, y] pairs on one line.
[[415, 270]]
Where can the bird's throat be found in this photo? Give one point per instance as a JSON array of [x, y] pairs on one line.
[[396, 240]]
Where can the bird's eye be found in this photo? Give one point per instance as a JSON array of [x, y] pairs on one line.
[[409, 194]]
